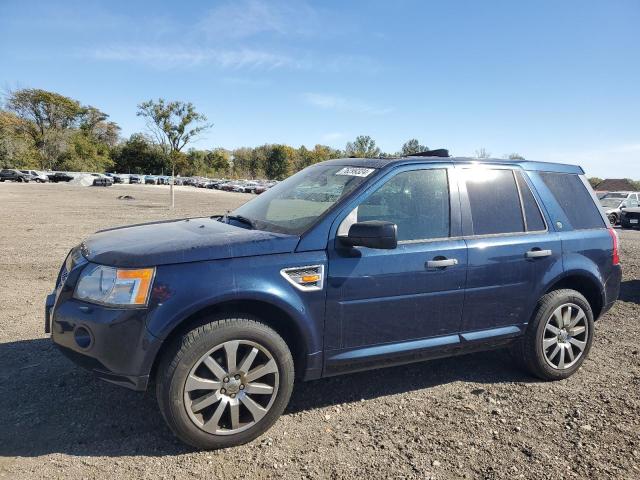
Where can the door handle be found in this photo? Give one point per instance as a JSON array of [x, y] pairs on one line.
[[442, 262], [538, 253]]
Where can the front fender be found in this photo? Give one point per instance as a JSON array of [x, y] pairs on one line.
[[181, 291]]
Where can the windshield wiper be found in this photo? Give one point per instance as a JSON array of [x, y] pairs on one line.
[[239, 218]]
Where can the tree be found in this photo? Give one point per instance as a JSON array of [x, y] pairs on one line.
[[94, 123], [411, 147], [277, 164], [515, 156], [363, 146], [139, 155], [482, 153], [85, 154], [174, 124], [16, 149], [595, 181], [47, 117]]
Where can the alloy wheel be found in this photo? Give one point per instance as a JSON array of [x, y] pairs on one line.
[[565, 336], [231, 387]]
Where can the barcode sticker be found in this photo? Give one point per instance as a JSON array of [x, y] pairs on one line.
[[355, 171]]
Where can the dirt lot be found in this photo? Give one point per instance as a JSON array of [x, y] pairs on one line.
[[475, 416]]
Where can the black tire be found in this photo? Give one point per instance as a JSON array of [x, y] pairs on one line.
[[530, 349], [188, 350], [613, 219]]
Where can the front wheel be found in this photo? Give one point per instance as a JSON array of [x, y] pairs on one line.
[[559, 337], [225, 383], [613, 219]]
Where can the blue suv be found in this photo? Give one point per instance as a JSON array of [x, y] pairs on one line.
[[348, 265]]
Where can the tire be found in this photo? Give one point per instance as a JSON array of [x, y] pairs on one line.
[[189, 358], [613, 219], [531, 349]]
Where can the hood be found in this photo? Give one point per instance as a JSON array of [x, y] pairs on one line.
[[180, 241]]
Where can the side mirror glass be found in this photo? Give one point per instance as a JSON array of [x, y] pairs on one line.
[[372, 234]]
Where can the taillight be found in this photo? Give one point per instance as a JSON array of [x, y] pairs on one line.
[[616, 254]]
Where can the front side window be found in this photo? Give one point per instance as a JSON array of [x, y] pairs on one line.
[[494, 201], [417, 201], [295, 204]]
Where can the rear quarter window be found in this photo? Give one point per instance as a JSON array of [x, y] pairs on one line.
[[574, 199]]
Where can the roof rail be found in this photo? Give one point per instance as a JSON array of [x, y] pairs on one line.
[[440, 152]]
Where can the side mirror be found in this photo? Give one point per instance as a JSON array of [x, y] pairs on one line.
[[372, 234]]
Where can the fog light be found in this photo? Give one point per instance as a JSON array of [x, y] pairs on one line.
[[83, 337]]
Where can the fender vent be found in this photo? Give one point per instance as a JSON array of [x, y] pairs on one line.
[[307, 279]]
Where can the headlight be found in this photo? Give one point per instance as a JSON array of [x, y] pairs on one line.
[[114, 286]]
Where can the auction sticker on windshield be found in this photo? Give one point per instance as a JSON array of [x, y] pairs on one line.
[[355, 171]]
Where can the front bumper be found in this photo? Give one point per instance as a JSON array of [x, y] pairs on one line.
[[113, 343]]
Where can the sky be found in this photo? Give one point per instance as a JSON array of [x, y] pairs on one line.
[[552, 80]]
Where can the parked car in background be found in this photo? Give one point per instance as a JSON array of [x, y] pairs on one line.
[[101, 180], [150, 180], [60, 177], [614, 202], [37, 176], [348, 265], [13, 175], [630, 217], [135, 179]]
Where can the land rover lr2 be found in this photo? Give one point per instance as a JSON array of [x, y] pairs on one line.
[[348, 265]]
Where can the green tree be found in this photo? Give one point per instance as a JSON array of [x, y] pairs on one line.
[[595, 181], [411, 147], [16, 149], [139, 154], [85, 154], [47, 118], [362, 147], [277, 164], [174, 124]]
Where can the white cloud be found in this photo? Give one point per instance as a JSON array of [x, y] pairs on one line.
[[335, 102], [172, 57], [247, 18]]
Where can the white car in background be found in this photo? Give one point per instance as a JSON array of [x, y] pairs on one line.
[[37, 176]]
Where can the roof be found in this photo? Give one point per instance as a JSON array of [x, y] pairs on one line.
[[615, 184], [524, 164]]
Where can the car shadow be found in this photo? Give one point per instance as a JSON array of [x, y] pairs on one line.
[[49, 405], [630, 291]]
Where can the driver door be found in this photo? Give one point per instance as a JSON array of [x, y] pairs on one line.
[[387, 304]]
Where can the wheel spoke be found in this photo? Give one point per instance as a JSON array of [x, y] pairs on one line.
[[211, 425], [259, 388], [576, 331], [549, 342], [578, 343], [231, 349], [256, 410], [579, 317], [553, 329], [572, 357], [557, 316], [215, 367], [248, 360], [234, 409], [561, 362], [204, 402], [197, 383], [566, 317], [261, 371], [554, 353]]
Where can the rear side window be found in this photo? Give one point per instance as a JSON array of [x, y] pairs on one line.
[[533, 217], [575, 200], [494, 201]]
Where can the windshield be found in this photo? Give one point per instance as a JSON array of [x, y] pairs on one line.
[[294, 204], [610, 202]]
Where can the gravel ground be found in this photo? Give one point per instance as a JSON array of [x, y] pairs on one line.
[[475, 416]]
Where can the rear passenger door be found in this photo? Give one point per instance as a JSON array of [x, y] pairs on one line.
[[510, 250]]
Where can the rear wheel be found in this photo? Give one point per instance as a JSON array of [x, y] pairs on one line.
[[225, 383], [559, 338], [613, 219]]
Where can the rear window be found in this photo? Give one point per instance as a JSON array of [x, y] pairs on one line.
[[575, 200], [494, 201]]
